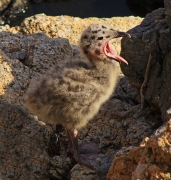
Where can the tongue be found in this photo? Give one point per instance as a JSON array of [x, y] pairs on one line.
[[110, 53]]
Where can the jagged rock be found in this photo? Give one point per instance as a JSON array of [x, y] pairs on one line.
[[36, 50], [148, 53], [24, 57], [151, 160], [81, 172], [168, 12], [60, 167], [124, 163], [22, 145]]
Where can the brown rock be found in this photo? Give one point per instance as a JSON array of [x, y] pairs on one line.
[[149, 161], [124, 163]]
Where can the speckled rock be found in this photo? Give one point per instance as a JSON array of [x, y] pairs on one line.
[[60, 167], [24, 57], [36, 50], [22, 145], [151, 160]]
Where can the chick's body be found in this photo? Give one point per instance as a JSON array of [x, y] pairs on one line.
[[72, 92]]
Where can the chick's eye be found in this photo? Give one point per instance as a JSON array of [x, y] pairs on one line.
[[100, 38]]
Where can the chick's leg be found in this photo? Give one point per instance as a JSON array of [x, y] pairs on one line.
[[70, 151]]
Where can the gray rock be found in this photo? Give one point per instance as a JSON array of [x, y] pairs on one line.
[[23, 145], [148, 53], [36, 50], [25, 57]]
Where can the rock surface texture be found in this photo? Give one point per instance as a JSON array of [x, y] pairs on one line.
[[149, 56], [28, 51], [23, 152]]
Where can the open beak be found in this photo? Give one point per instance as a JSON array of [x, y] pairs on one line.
[[109, 52], [122, 34]]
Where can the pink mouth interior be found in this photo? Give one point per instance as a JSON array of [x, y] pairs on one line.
[[110, 53]]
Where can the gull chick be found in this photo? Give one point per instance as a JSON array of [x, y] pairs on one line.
[[71, 92]]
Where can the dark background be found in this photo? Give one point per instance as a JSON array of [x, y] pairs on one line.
[[79, 8]]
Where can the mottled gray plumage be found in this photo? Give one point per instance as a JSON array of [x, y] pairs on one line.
[[72, 92]]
